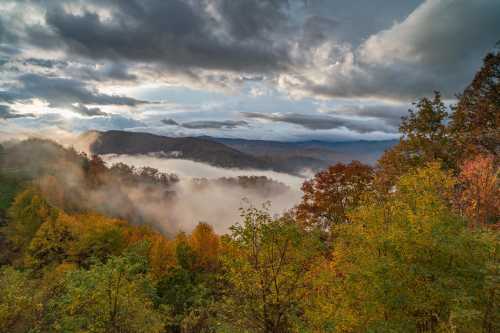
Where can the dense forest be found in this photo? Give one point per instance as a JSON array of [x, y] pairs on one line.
[[410, 245]]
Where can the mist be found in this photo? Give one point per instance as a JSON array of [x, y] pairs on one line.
[[214, 203]]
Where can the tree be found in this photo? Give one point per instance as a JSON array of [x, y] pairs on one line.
[[205, 243], [3, 155], [51, 243], [409, 265], [27, 213], [96, 171], [475, 121], [424, 139], [480, 192], [266, 261], [188, 289], [109, 298], [17, 301], [75, 238], [332, 192]]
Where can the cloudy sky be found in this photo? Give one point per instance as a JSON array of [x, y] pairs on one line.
[[265, 69]]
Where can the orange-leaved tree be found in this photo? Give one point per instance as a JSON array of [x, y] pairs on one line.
[[332, 192], [479, 195]]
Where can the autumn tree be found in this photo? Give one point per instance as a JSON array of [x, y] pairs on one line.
[[424, 138], [206, 244], [109, 298], [331, 193], [188, 289], [3, 155], [80, 239], [266, 261], [479, 192], [96, 171], [475, 121], [17, 301], [26, 214], [409, 265]]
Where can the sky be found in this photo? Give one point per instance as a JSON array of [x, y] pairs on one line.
[[284, 70]]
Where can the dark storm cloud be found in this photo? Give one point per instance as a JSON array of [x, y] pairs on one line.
[[328, 49], [390, 114], [62, 92], [6, 36], [8, 96], [438, 46], [109, 72], [169, 122], [321, 122], [206, 124], [213, 124], [46, 63], [179, 34], [87, 111], [7, 113], [252, 19]]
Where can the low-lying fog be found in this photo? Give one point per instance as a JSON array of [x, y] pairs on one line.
[[216, 204]]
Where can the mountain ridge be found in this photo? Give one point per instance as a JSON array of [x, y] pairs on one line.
[[291, 157]]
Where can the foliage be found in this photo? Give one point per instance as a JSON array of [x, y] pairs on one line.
[[75, 238], [475, 121], [188, 290], [332, 193], [9, 187], [424, 139], [411, 246], [111, 297], [26, 214], [17, 304], [409, 265], [266, 261], [480, 190]]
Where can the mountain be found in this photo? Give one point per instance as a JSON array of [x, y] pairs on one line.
[[311, 154], [290, 157], [195, 149]]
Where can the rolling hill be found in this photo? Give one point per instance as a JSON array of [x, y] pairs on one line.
[[290, 157]]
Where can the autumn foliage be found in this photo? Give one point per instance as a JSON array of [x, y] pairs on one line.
[[410, 245], [480, 190], [331, 193]]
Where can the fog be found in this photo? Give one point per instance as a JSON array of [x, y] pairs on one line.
[[214, 203]]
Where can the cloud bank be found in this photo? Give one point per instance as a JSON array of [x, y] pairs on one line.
[[204, 63]]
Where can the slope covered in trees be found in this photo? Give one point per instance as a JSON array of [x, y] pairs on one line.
[[411, 245]]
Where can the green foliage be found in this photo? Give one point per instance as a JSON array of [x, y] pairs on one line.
[[475, 122], [75, 238], [266, 263], [111, 297], [9, 187], [27, 213], [409, 265], [17, 302], [424, 139], [187, 291]]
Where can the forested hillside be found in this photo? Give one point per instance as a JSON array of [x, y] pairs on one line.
[[410, 245]]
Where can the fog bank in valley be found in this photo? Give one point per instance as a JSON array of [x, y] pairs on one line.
[[215, 203]]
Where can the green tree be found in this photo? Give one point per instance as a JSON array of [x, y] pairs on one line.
[[188, 289], [475, 121], [410, 265], [266, 262], [27, 213], [424, 139], [18, 306], [113, 297]]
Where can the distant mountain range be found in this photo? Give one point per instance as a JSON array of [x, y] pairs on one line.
[[290, 157]]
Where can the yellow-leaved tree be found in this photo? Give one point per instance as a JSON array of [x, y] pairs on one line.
[[409, 265]]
